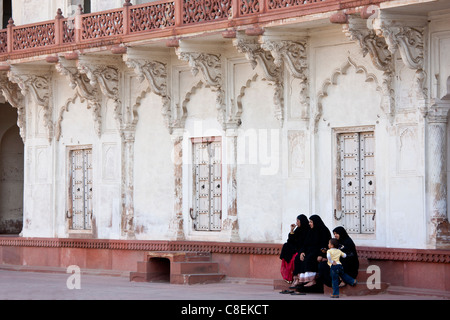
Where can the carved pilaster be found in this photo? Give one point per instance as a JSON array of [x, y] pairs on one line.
[[436, 171], [210, 66], [231, 223], [12, 94], [273, 72], [176, 227], [382, 58], [36, 82], [128, 138]]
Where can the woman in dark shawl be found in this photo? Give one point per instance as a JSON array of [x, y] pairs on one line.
[[350, 263], [346, 245], [290, 249], [317, 239]]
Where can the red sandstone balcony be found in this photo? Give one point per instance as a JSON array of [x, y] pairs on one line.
[[156, 20]]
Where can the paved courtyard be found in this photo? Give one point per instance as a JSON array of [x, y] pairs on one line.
[[19, 285]]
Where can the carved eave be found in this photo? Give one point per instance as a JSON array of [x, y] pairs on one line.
[[210, 66], [14, 97], [254, 52], [36, 82]]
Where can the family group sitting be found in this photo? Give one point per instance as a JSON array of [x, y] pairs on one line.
[[311, 258]]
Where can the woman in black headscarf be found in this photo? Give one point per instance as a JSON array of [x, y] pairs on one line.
[[346, 245], [295, 241], [350, 263], [317, 239]]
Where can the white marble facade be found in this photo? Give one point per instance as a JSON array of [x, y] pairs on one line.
[[280, 106]]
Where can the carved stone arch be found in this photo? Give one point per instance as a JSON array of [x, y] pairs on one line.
[[181, 121], [332, 80], [136, 105], [65, 108], [239, 108]]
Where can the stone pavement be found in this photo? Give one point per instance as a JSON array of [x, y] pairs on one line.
[[19, 285], [229, 299]]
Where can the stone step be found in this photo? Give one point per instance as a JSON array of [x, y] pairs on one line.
[[196, 278], [177, 267], [194, 267]]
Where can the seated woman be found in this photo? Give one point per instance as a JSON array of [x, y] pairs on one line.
[[350, 263], [346, 245], [311, 253], [290, 249]]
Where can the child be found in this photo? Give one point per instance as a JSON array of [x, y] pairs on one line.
[[336, 269]]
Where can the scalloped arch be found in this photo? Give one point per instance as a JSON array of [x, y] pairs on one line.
[[323, 93]]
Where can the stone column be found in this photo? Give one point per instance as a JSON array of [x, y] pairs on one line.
[[232, 219], [176, 229], [436, 173]]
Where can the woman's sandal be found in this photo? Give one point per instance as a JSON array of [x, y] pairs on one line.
[[286, 292]]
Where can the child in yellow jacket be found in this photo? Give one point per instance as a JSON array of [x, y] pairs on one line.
[[336, 268]]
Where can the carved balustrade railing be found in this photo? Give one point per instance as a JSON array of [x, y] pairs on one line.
[[166, 18]]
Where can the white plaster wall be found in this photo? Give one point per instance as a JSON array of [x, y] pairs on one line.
[[259, 173], [153, 172]]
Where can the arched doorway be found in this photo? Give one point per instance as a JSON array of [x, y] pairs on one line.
[[11, 172]]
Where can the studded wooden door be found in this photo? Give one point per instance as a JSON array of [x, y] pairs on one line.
[[357, 182], [207, 184], [80, 217]]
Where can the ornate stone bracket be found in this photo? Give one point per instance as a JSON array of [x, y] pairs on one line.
[[274, 73], [84, 88], [210, 66], [12, 94], [107, 76], [155, 73], [294, 56], [382, 58], [36, 82], [407, 37]]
